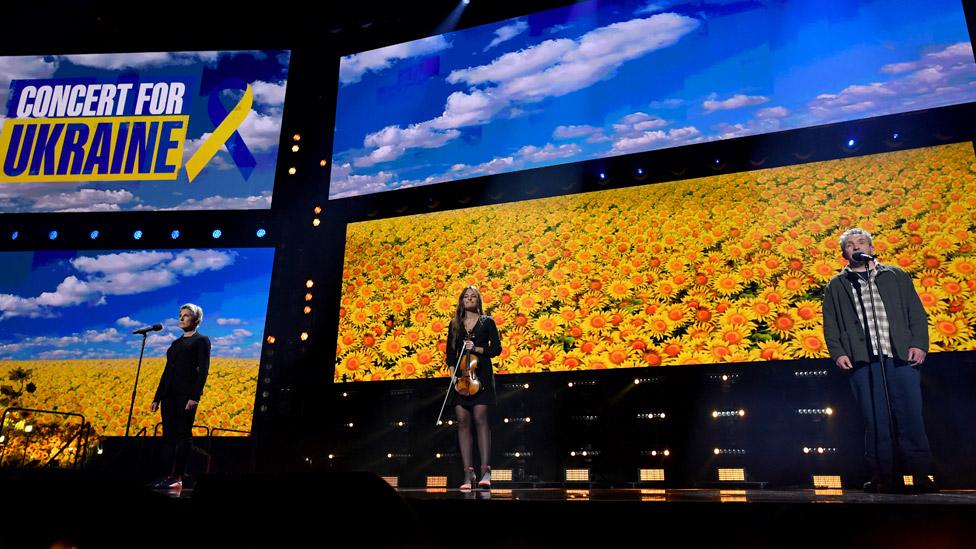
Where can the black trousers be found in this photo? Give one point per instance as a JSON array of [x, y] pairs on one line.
[[178, 430]]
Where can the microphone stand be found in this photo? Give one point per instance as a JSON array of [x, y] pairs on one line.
[[132, 403], [884, 376]]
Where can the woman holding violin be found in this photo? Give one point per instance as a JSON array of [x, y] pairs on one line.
[[472, 340]]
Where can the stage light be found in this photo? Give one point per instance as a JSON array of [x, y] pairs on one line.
[[572, 453], [666, 453], [518, 454], [526, 385], [28, 428], [718, 161], [400, 424], [570, 384], [100, 451], [294, 148], [316, 222], [716, 451], [437, 455], [345, 394], [175, 234], [94, 234], [137, 234], [829, 411], [806, 450], [317, 210], [465, 2], [827, 481], [894, 135], [528, 420], [323, 163], [714, 413], [261, 233], [308, 296], [304, 336], [307, 309], [53, 235], [389, 456], [851, 143], [603, 176], [731, 475], [577, 475], [331, 456], [271, 340], [309, 283], [3, 438], [501, 474], [14, 235], [651, 475], [296, 137], [640, 171], [742, 413], [217, 233], [292, 170]]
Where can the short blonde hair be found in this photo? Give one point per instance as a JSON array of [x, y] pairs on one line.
[[196, 310]]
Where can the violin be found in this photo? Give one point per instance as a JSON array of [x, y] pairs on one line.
[[467, 382]]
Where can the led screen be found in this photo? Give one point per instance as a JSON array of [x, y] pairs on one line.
[[601, 79], [727, 268]]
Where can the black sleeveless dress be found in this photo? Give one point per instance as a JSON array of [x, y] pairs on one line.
[[485, 335]]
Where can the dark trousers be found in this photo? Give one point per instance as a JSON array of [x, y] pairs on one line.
[[178, 430], [905, 391]]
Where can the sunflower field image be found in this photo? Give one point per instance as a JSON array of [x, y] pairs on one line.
[[728, 268]]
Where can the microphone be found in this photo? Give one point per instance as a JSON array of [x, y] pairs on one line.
[[147, 329], [861, 256]]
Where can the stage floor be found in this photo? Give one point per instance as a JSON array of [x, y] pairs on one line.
[[690, 495]]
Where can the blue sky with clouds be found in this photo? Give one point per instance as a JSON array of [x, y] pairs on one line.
[[603, 79], [220, 185], [63, 305]]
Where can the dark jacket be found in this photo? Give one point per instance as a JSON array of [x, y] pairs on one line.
[[187, 366], [843, 331]]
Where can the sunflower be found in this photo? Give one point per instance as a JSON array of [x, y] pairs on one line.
[[810, 344], [569, 361], [737, 316], [597, 361], [407, 367], [949, 330], [700, 331], [347, 340], [619, 289], [393, 347], [526, 361], [360, 317], [589, 346], [727, 283], [953, 288], [734, 335], [428, 358], [621, 356], [784, 324], [933, 299], [353, 363], [761, 309], [808, 312], [677, 313], [659, 327], [672, 348], [962, 266], [437, 327], [666, 289], [547, 326], [597, 322], [794, 284], [592, 299]]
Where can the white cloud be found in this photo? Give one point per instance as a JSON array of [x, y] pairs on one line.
[[773, 112], [507, 32], [573, 132], [352, 67], [119, 61], [23, 67], [495, 165], [59, 354], [651, 7], [344, 183], [83, 200], [257, 202], [666, 104], [260, 131], [229, 322], [269, 94], [120, 262], [737, 101], [109, 335], [549, 69], [657, 139], [127, 322], [192, 262], [548, 152], [938, 78], [635, 124]]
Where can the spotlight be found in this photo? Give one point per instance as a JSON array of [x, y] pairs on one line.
[[175, 234], [261, 233], [526, 385], [718, 161], [309, 283], [294, 148], [895, 135], [603, 176], [308, 296], [851, 143], [304, 336], [317, 210], [137, 235], [323, 163], [14, 235], [296, 137], [217, 233], [53, 235], [94, 234], [316, 222], [307, 309], [570, 384], [465, 2], [829, 411], [271, 340], [292, 171]]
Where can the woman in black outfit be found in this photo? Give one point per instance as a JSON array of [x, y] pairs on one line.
[[473, 331]]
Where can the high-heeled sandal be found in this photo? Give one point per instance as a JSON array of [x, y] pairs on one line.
[[469, 478], [485, 481]]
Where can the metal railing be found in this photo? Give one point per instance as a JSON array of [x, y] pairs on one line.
[[82, 435]]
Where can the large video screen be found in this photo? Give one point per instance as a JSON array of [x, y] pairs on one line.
[[66, 323], [140, 131], [599, 79], [728, 268]]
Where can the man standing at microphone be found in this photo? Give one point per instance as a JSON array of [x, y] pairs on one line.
[[876, 330], [180, 388]]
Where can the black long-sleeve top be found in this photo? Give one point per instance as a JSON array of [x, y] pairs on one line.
[[187, 366]]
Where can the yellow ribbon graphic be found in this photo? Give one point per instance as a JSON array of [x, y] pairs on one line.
[[220, 135]]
